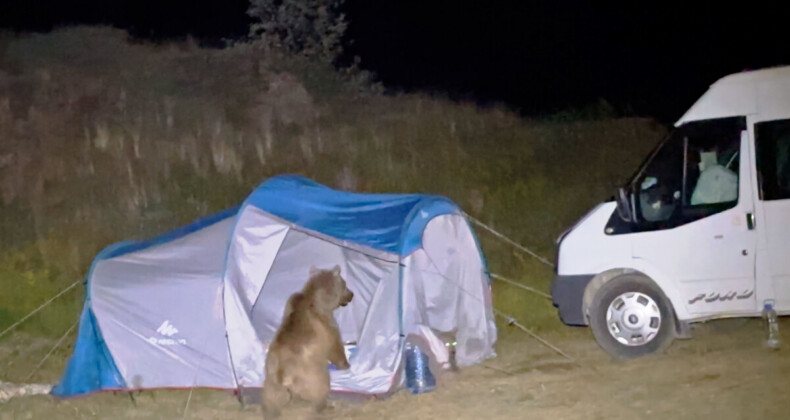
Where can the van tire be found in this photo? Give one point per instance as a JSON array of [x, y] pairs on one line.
[[638, 308]]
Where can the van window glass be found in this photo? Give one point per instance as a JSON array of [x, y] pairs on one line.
[[693, 175], [773, 159], [712, 164], [661, 182]]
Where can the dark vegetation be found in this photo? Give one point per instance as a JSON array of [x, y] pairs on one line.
[[103, 138]]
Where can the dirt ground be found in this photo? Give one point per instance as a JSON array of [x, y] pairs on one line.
[[723, 373]]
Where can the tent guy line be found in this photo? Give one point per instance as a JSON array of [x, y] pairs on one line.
[[14, 325], [519, 285], [509, 241], [52, 350], [512, 321], [194, 384]]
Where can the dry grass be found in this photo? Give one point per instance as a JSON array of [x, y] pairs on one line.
[[721, 376], [102, 140]]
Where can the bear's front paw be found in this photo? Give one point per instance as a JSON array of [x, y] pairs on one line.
[[343, 365]]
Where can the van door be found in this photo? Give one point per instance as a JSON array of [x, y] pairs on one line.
[[773, 166], [693, 201]]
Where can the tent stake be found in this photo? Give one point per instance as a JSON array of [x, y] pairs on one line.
[[240, 397]]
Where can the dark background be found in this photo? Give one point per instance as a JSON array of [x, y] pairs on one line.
[[538, 57]]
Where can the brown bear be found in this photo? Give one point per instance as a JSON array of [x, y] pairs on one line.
[[308, 338]]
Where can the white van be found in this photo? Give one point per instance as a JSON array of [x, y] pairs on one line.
[[701, 230]]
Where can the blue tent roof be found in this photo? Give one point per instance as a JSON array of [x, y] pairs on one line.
[[388, 222]]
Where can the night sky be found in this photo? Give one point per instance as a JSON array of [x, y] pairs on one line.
[[538, 57]]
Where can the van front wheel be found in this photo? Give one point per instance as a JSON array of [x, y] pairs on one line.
[[630, 317]]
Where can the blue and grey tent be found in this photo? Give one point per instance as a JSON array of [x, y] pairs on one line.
[[197, 306]]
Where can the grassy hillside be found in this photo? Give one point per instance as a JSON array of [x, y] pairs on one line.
[[102, 139]]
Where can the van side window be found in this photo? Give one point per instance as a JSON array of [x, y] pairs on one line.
[[773, 159], [712, 166]]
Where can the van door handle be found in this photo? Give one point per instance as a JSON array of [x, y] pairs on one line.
[[750, 221]]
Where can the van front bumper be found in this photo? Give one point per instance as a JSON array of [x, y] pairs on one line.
[[567, 294]]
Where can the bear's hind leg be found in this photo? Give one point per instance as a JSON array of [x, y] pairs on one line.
[[275, 397], [315, 391]]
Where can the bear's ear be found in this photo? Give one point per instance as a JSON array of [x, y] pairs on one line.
[[336, 270], [313, 270]]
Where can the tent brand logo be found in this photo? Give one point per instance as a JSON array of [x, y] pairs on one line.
[[167, 330]]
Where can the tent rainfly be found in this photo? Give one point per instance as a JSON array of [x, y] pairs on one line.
[[197, 306]]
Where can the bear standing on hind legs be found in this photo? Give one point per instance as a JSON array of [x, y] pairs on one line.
[[308, 338]]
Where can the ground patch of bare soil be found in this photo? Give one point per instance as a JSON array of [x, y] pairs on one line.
[[723, 373]]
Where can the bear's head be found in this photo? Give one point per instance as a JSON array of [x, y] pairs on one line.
[[328, 289]]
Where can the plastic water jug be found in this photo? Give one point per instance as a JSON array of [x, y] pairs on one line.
[[419, 378]]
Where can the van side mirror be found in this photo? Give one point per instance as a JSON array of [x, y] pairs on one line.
[[624, 208]]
